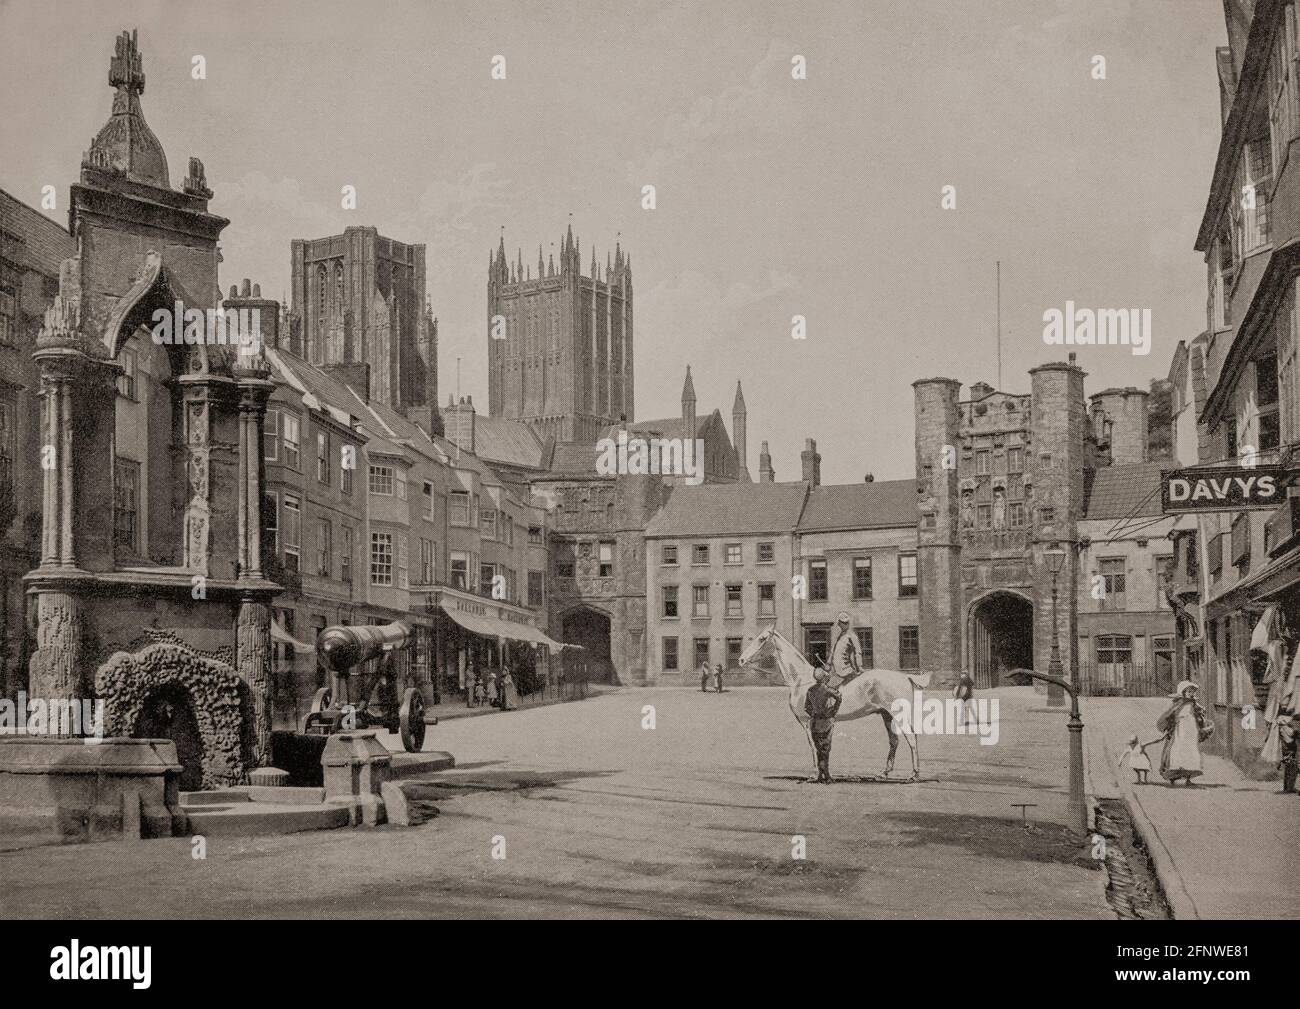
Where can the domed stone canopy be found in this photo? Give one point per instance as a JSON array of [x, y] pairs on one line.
[[126, 144]]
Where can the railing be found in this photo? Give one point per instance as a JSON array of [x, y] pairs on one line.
[[1124, 680]]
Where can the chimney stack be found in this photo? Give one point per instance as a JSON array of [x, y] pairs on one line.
[[765, 472], [812, 463]]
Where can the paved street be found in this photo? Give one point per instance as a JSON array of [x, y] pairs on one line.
[[603, 818]]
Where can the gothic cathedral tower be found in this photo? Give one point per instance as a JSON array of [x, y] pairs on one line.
[[560, 344]]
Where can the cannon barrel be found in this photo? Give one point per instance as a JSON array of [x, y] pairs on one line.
[[340, 648]]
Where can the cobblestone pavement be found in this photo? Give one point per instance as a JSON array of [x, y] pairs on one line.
[[599, 817]]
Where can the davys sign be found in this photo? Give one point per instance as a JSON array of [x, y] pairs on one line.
[[1222, 488]]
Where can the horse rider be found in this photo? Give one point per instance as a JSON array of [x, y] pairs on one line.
[[821, 705], [845, 657]]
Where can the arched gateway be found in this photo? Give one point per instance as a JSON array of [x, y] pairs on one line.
[[999, 636]]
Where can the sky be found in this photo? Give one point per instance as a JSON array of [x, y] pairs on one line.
[[775, 197]]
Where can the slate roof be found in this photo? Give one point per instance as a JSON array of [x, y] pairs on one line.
[[884, 504], [573, 459], [1117, 492], [729, 509], [504, 441], [45, 244]]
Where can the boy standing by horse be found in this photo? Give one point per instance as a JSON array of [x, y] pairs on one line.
[[821, 706]]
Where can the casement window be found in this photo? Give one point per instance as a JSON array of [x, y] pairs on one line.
[[1111, 570], [8, 315], [701, 651], [909, 647], [292, 531], [428, 562], [867, 646], [323, 456], [1266, 399], [347, 463], [669, 649], [126, 382], [1015, 459], [536, 588], [535, 536], [458, 569], [381, 481], [907, 575], [403, 580], [606, 560], [766, 553], [735, 601], [271, 436], [861, 577], [983, 461], [767, 599], [289, 427], [428, 500], [1016, 514], [324, 547], [381, 559], [126, 504], [487, 523], [271, 524], [669, 605], [734, 648], [699, 600], [700, 553], [731, 554], [1114, 651], [458, 511], [668, 555], [487, 575], [399, 483], [818, 586]]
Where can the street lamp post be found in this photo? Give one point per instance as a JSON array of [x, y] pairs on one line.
[[1055, 558], [1076, 812]]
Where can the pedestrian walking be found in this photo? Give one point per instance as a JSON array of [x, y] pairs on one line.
[[1185, 725], [704, 676], [717, 677], [821, 705], [1135, 755], [964, 692]]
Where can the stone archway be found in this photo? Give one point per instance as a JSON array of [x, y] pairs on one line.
[[999, 636], [140, 692], [590, 628]]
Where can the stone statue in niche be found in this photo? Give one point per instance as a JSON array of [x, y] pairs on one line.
[[968, 508], [999, 508]]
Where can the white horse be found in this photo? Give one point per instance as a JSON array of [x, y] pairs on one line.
[[873, 692]]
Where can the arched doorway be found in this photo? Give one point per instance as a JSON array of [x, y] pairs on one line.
[[167, 715], [589, 628], [1000, 637]]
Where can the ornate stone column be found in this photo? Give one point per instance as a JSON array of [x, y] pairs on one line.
[[253, 633]]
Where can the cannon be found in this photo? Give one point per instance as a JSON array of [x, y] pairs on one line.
[[340, 650]]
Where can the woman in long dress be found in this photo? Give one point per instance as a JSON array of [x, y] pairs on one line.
[[1185, 725], [509, 696]]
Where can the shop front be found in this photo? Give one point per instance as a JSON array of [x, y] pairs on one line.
[[475, 636]]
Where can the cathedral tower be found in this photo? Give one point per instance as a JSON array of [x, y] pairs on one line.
[[560, 343]]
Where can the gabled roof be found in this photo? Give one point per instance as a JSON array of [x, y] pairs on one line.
[[1123, 492], [887, 504], [320, 390], [729, 510], [505, 441]]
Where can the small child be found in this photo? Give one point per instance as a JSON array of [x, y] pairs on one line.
[[1136, 758]]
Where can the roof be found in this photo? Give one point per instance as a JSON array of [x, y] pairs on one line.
[[889, 503], [1123, 492], [730, 509], [573, 459], [45, 243], [505, 441]]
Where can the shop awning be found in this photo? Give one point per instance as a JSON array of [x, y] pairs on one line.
[[494, 627]]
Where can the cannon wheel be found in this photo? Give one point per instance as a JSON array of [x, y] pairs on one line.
[[412, 720], [319, 703]]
